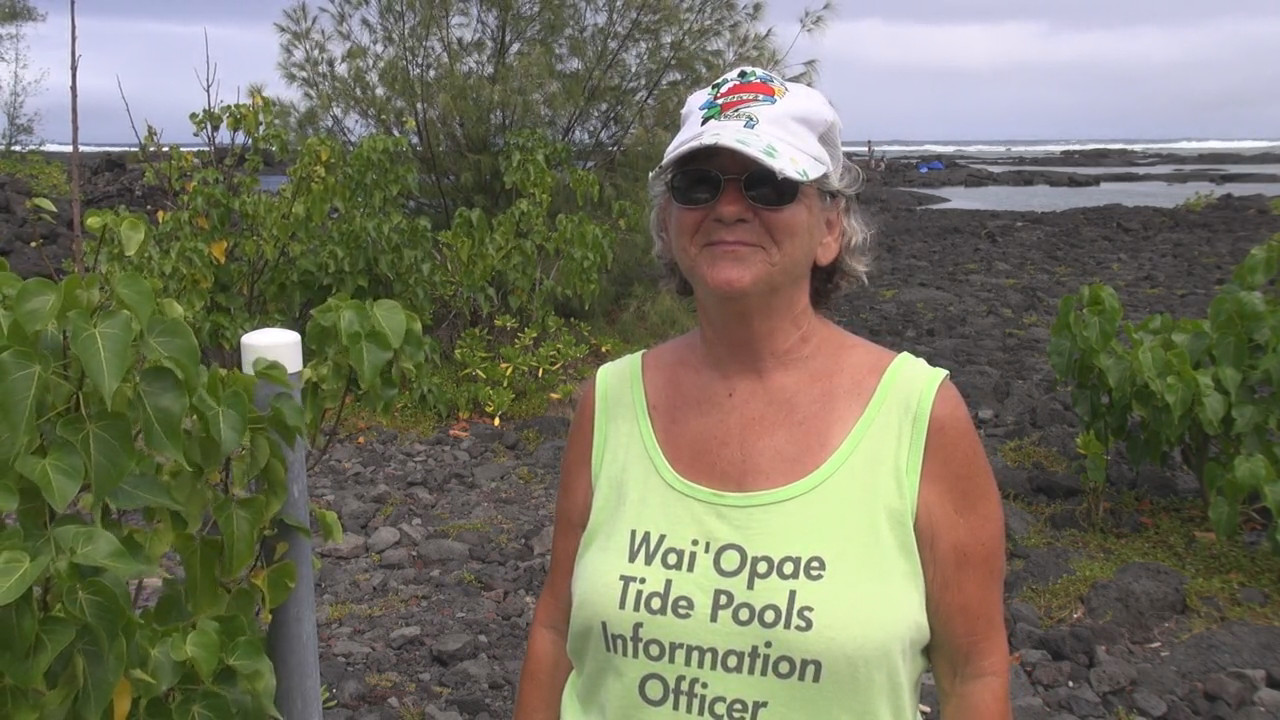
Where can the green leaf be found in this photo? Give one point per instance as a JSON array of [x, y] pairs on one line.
[[249, 659], [1251, 473], [95, 547], [44, 203], [141, 490], [171, 309], [171, 338], [162, 405], [388, 317], [57, 705], [132, 233], [55, 634], [104, 661], [22, 383], [136, 294], [18, 628], [285, 417], [8, 494], [206, 704], [162, 669], [1230, 377], [276, 582], [59, 474], [37, 303], [1212, 410], [103, 347], [105, 442], [204, 649], [17, 573], [1223, 516], [101, 602], [272, 372], [329, 523], [228, 420], [240, 522], [200, 563], [369, 356]]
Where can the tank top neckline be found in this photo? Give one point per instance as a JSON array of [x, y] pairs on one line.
[[781, 493]]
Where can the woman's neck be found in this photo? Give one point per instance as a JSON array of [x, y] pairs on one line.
[[744, 338]]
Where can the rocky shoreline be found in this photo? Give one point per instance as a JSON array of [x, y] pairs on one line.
[[424, 608]]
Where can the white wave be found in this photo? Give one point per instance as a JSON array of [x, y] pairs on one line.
[[1064, 145], [66, 148]]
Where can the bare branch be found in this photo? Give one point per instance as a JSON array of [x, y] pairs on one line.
[[77, 237]]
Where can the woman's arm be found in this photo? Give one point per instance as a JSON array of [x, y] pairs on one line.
[[546, 662], [960, 531]]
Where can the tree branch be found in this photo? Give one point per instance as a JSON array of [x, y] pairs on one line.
[[77, 237]]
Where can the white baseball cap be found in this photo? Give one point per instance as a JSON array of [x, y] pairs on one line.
[[777, 123]]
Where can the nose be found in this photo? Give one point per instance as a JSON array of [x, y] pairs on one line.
[[732, 201]]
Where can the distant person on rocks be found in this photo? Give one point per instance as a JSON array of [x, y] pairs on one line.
[[768, 518]]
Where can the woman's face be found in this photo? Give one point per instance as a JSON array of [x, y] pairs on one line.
[[731, 247]]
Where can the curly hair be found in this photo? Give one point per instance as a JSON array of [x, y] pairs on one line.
[[826, 282]]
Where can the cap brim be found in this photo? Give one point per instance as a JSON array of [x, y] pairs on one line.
[[773, 153]]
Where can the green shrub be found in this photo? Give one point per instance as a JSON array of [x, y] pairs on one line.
[[127, 459], [47, 177], [494, 293], [1199, 201], [118, 447], [1204, 390]]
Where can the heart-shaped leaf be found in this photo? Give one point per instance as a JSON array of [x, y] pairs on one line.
[[37, 303], [388, 317], [93, 546], [135, 293], [22, 383], [103, 347], [59, 473], [18, 571], [105, 441], [162, 404], [171, 338], [132, 233]]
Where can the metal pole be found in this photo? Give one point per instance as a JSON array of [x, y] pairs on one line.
[[292, 642]]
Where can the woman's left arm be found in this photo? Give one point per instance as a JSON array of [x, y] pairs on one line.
[[960, 533]]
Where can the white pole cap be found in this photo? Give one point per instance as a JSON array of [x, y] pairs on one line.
[[283, 346]]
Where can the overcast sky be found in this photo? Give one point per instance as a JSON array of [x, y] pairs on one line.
[[896, 69]]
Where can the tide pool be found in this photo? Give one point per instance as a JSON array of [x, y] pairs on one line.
[[1041, 198]]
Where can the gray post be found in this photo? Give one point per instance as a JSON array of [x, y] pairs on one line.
[[292, 642]]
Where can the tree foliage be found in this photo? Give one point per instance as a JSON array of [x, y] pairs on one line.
[[18, 81], [458, 78]]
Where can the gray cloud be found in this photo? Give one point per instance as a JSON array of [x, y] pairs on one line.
[[943, 69]]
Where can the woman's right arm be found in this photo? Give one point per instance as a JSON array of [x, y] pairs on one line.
[[546, 661]]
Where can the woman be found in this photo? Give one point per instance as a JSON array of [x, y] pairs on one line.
[[768, 517]]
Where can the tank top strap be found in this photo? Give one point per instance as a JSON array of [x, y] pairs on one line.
[[910, 387], [615, 415]]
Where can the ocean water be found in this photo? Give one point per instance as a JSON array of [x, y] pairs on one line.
[[1035, 198], [1026, 148], [1042, 198]]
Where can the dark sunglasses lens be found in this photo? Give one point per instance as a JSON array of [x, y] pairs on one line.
[[694, 187], [766, 189]]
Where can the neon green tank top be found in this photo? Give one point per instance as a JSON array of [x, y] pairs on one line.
[[801, 602]]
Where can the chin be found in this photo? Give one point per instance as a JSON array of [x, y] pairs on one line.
[[729, 284]]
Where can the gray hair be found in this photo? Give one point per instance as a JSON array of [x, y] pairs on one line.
[[827, 282]]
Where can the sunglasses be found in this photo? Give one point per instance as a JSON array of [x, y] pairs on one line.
[[698, 187]]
